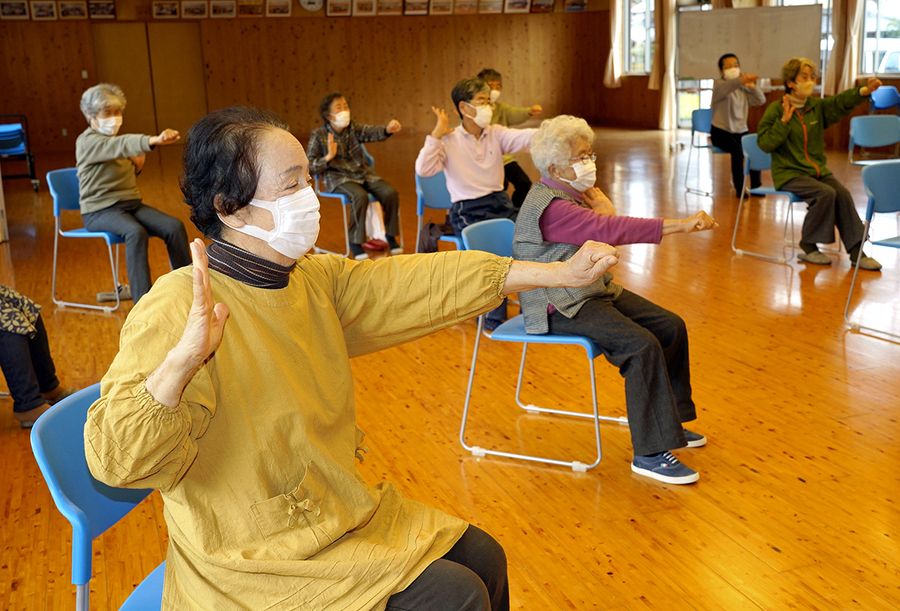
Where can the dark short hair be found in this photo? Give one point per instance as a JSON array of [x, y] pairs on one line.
[[325, 104], [465, 91], [489, 74], [220, 163], [724, 57]]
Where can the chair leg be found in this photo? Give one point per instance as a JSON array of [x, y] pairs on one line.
[[82, 597], [114, 267], [418, 230], [687, 187], [855, 326], [481, 452], [346, 253], [759, 255]]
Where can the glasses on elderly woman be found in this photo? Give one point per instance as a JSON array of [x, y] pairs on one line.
[[588, 157]]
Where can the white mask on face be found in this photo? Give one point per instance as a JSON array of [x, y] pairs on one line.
[[109, 126], [731, 73], [483, 115], [804, 89], [585, 176], [341, 119], [296, 219], [495, 95]]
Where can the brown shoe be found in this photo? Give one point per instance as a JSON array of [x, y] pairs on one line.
[[57, 394], [28, 418]]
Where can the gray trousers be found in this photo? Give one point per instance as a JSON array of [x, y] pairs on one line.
[[136, 222], [359, 203], [470, 577], [649, 345], [830, 206]]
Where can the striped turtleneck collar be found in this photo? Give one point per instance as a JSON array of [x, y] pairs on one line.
[[246, 267]]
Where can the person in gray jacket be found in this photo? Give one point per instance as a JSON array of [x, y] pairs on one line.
[[732, 97], [108, 165]]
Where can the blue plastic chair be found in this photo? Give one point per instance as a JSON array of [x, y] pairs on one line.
[[496, 236], [63, 186], [431, 192], [758, 160], [344, 200], [883, 98], [90, 506], [873, 131], [701, 123], [882, 183], [14, 146]]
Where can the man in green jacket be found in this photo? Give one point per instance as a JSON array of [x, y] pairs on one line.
[[793, 131]]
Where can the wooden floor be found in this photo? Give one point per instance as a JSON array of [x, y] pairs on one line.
[[797, 505]]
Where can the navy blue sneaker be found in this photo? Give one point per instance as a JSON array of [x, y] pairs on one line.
[[664, 467], [694, 440]]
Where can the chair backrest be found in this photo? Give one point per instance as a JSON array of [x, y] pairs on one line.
[[12, 138], [493, 235], [874, 130], [885, 96], [882, 182], [754, 157], [64, 189], [701, 120], [369, 159], [57, 441], [431, 192]]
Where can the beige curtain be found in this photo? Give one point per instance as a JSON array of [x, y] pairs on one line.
[[847, 29], [662, 76], [612, 76]]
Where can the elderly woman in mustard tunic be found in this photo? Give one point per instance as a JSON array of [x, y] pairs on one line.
[[232, 394]]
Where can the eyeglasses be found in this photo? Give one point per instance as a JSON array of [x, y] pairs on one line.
[[585, 158]]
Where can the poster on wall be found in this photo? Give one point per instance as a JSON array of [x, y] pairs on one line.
[[465, 7], [250, 8], [102, 9], [73, 9], [278, 8], [43, 10], [542, 6], [194, 9], [363, 8], [517, 6], [14, 9], [490, 6], [222, 9], [165, 9], [415, 7], [575, 6], [441, 7], [390, 7], [339, 8]]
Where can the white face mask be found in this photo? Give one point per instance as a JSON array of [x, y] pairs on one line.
[[495, 95], [585, 176], [804, 89], [296, 219], [341, 119], [108, 126], [483, 115], [731, 73]]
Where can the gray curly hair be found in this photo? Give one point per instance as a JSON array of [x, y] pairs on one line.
[[552, 143], [100, 96]]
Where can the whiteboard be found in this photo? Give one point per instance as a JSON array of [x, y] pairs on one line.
[[762, 38]]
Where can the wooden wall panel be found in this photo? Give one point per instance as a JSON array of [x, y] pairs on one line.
[[176, 60], [40, 75], [124, 59]]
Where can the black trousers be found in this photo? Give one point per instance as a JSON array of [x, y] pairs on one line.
[[359, 203], [513, 173], [470, 577], [27, 367], [731, 143], [649, 345], [137, 222], [830, 205]]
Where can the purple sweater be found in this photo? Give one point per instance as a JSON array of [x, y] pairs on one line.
[[570, 223]]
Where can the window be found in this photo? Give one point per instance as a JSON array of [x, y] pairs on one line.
[[881, 45], [640, 36], [695, 94]]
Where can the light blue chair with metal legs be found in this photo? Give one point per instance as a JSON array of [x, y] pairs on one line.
[[431, 192], [882, 183], [701, 123], [64, 189], [496, 236], [873, 131], [90, 506]]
